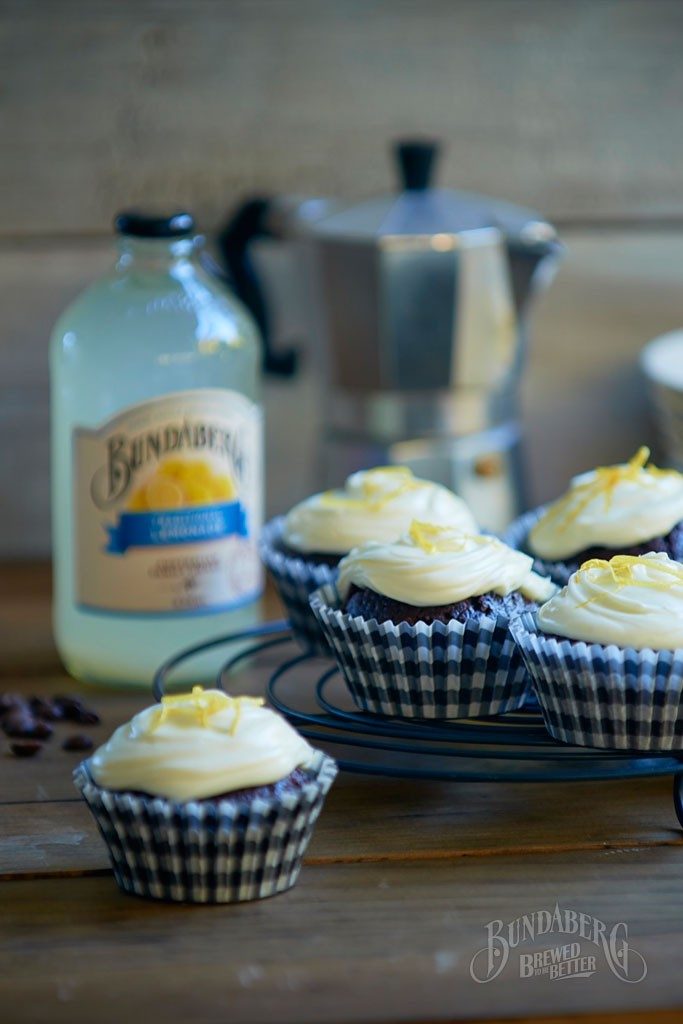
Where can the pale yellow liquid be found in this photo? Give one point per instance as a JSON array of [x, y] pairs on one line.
[[157, 325]]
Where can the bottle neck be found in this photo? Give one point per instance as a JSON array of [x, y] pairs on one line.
[[154, 255]]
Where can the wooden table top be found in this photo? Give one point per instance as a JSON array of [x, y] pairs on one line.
[[398, 885]]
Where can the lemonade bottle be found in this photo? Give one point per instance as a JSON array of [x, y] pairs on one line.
[[156, 461]]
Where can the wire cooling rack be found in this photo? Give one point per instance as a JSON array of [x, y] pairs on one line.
[[309, 691]]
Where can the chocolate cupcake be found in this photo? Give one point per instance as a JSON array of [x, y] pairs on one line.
[[627, 509], [370, 605], [606, 654], [420, 627], [206, 798], [303, 549]]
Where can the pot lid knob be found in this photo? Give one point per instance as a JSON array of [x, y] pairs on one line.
[[416, 160]]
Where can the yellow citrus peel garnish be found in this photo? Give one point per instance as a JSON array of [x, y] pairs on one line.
[[203, 705], [603, 484], [622, 568], [432, 538], [374, 496]]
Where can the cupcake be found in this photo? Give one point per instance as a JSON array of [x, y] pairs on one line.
[[627, 509], [606, 654], [303, 549], [206, 798], [420, 626]]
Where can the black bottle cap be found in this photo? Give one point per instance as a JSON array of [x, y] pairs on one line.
[[145, 225]]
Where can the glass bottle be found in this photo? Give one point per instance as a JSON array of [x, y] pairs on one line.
[[156, 461]]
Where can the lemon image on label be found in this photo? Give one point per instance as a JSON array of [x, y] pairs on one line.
[[180, 483]]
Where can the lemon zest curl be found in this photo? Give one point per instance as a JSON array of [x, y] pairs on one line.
[[603, 484], [203, 704]]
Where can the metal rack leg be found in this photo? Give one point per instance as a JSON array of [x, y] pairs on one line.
[[678, 796]]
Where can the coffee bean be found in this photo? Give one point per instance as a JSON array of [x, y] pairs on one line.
[[11, 702], [69, 706], [46, 709], [28, 721], [74, 710], [42, 731], [25, 748], [77, 742], [22, 725], [19, 723]]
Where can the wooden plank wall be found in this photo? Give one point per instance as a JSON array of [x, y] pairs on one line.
[[573, 107]]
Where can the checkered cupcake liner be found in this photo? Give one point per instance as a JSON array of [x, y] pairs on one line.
[[445, 670], [604, 696], [296, 579], [516, 537], [207, 852]]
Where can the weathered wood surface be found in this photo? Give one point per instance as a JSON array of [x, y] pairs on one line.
[[52, 833], [570, 107], [397, 887], [583, 403], [368, 942]]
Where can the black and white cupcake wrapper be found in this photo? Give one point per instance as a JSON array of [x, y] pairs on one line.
[[296, 579], [516, 537], [220, 851], [604, 696], [444, 670]]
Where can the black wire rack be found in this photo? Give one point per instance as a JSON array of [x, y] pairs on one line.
[[515, 747]]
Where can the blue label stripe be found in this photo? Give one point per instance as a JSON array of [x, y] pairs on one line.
[[176, 526]]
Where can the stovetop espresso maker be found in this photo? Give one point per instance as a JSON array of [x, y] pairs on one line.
[[420, 301]]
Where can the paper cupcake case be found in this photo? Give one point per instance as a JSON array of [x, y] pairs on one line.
[[207, 852], [452, 670], [296, 579], [604, 696], [516, 537]]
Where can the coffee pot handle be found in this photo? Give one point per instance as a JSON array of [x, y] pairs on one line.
[[237, 270], [533, 257]]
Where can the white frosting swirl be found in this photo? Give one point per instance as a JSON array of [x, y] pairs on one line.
[[200, 745], [629, 601], [434, 565], [375, 504], [613, 507]]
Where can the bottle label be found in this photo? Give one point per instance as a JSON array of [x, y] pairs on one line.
[[168, 505]]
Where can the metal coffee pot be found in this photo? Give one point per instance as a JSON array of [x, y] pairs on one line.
[[419, 300]]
